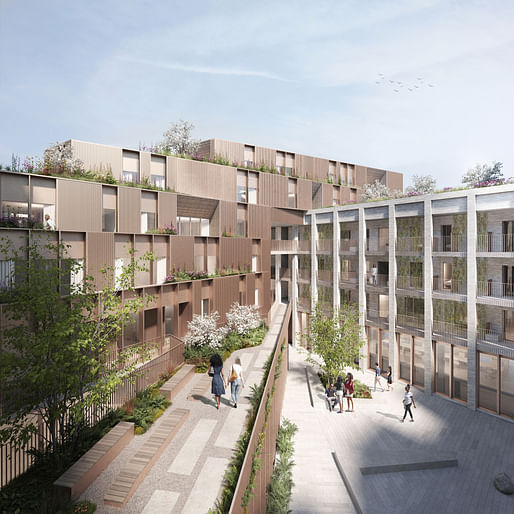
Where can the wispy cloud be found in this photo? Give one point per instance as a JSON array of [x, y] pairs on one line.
[[207, 69]]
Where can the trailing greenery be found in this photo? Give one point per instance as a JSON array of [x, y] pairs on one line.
[[199, 356], [360, 390], [281, 482]]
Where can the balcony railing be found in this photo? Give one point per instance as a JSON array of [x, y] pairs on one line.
[[489, 335], [304, 303], [348, 276], [451, 330], [348, 246], [496, 289], [325, 275], [495, 243], [409, 244], [374, 246], [408, 321], [304, 274], [449, 244], [374, 315], [284, 245], [324, 245], [377, 280], [409, 282], [449, 285]]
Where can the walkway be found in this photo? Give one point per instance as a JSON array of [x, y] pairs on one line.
[[373, 435], [188, 475]]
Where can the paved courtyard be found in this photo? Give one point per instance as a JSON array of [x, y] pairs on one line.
[[373, 435]]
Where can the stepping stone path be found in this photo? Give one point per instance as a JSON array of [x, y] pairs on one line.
[[134, 472]]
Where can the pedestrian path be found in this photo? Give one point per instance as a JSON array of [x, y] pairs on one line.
[[187, 475], [448, 457]]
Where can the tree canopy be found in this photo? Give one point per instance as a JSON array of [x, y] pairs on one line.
[[422, 185], [483, 173], [178, 139], [59, 339]]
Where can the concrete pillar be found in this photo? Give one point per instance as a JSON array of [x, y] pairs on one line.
[[427, 288], [278, 288], [336, 266], [314, 262], [471, 297], [294, 289], [393, 354], [362, 286]]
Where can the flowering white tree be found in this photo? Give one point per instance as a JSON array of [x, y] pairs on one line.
[[178, 140], [242, 318], [422, 185], [203, 331], [483, 173], [60, 156], [377, 191]]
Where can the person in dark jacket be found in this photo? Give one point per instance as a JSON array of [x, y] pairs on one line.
[[218, 380]]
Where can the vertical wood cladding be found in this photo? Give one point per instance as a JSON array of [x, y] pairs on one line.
[[344, 195], [145, 165], [304, 194], [202, 178], [273, 190], [232, 151], [79, 206], [160, 246], [394, 180], [235, 252], [226, 292], [167, 205], [265, 255], [265, 156], [361, 175], [250, 289], [227, 217], [100, 253], [197, 297], [265, 294], [98, 158], [129, 212], [259, 221], [327, 192], [182, 252]]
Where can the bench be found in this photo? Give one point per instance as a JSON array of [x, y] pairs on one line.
[[172, 387], [133, 473], [70, 485]]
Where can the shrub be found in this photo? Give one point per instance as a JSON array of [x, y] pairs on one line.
[[145, 408], [84, 507], [203, 331], [243, 318]]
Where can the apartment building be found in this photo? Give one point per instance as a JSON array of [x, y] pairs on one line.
[[224, 216], [434, 278]]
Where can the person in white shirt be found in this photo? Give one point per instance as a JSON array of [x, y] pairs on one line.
[[408, 400], [236, 380], [49, 224], [374, 275]]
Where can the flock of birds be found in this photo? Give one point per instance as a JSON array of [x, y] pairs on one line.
[[397, 85]]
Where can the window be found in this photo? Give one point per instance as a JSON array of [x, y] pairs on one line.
[[131, 331], [256, 300], [289, 164], [252, 187], [109, 200], [160, 270], [72, 275], [158, 171], [6, 274], [109, 220], [130, 166], [118, 272], [147, 221], [192, 226], [405, 356], [280, 162], [291, 192], [241, 220], [507, 387], [167, 313], [373, 346], [488, 373], [158, 181], [418, 375], [384, 346], [205, 307], [383, 306], [254, 263], [249, 156], [241, 186]]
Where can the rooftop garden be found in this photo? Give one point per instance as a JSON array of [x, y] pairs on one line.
[[180, 275]]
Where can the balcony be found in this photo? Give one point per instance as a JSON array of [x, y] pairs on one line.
[[449, 285], [324, 245], [304, 274], [455, 244], [499, 243], [325, 275], [304, 304], [450, 331], [410, 322], [380, 281], [409, 245], [496, 293], [493, 341], [408, 282], [376, 247], [348, 246], [377, 316], [348, 277]]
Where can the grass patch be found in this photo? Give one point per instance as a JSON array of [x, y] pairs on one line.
[[360, 390]]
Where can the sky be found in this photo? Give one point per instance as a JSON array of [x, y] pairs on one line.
[[416, 86]]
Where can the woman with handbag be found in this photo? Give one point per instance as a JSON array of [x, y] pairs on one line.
[[218, 378], [236, 380]]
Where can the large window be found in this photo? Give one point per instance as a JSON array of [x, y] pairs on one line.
[[241, 220], [373, 346], [253, 179], [131, 331], [460, 373], [418, 375], [384, 346], [130, 166], [442, 368], [291, 192], [451, 370], [488, 376], [158, 171], [507, 387], [147, 221], [241, 186], [405, 356], [192, 226], [6, 274]]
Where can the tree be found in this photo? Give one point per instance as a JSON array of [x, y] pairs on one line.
[[422, 185], [178, 139], [59, 338], [377, 191], [483, 173], [203, 331], [335, 338], [59, 157], [242, 318]]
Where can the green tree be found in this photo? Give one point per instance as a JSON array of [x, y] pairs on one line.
[[335, 338], [59, 338]]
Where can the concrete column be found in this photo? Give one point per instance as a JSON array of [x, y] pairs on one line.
[[362, 285], [472, 299], [393, 354], [336, 266], [427, 287], [294, 289], [278, 286], [314, 262]]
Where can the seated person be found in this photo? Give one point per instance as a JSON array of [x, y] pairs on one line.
[[330, 393]]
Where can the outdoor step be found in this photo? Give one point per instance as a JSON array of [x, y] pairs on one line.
[[71, 484], [410, 464], [173, 386], [133, 473]]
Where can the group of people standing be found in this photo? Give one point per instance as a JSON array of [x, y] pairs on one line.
[[341, 390], [235, 379]]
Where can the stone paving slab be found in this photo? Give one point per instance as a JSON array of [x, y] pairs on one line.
[[200, 388], [161, 502], [233, 426]]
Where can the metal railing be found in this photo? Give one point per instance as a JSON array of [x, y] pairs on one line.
[[284, 245], [496, 289], [449, 285], [451, 330], [304, 303], [374, 315], [495, 242], [348, 276], [449, 244], [408, 282], [489, 335], [377, 280], [408, 321], [374, 246], [348, 246], [409, 244], [304, 274], [325, 275], [324, 245]]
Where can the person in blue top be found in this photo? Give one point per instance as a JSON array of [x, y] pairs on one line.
[[377, 377], [218, 379]]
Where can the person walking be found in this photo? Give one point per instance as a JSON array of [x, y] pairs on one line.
[[374, 273], [408, 400], [377, 377], [340, 393], [349, 388], [236, 380], [218, 378], [389, 378]]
